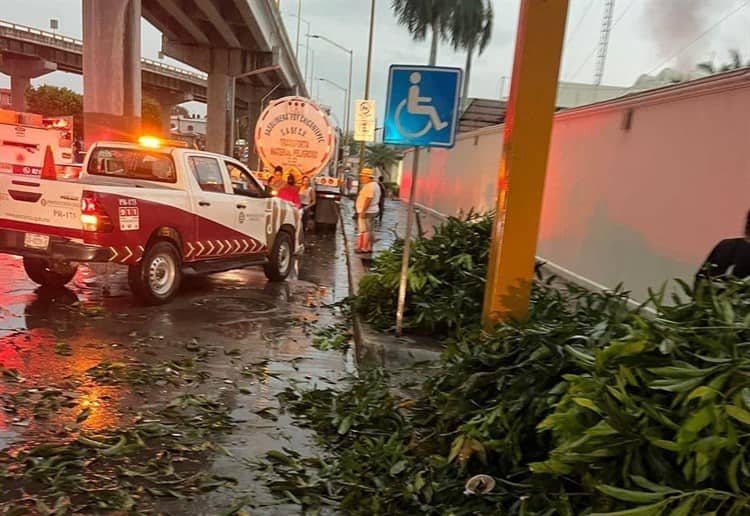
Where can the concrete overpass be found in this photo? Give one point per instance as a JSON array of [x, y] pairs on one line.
[[241, 45], [26, 52]]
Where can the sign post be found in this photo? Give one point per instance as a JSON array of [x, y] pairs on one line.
[[421, 111], [528, 127]]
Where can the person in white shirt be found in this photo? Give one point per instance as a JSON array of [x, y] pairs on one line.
[[367, 206], [307, 199]]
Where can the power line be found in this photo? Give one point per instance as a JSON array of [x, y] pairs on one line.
[[701, 35], [623, 13], [571, 34], [593, 51], [580, 20]]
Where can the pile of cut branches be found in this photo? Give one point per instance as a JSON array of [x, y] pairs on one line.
[[585, 407]]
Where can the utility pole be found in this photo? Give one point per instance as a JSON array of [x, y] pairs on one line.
[[367, 79], [523, 163]]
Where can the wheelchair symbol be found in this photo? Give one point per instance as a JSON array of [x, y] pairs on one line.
[[416, 105]]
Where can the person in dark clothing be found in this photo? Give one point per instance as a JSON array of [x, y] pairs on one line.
[[381, 202], [78, 153], [730, 257]]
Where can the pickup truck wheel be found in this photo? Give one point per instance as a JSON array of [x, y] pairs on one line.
[[156, 278], [40, 271], [281, 257]]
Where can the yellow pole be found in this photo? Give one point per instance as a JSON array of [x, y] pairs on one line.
[[528, 125]]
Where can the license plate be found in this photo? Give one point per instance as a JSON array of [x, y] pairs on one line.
[[34, 241]]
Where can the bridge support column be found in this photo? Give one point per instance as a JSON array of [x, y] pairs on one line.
[[253, 97], [220, 123], [167, 100], [19, 84], [111, 70], [21, 71]]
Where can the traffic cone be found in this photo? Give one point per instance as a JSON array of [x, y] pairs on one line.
[[49, 171]]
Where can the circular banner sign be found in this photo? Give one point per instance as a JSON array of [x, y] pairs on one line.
[[295, 134]]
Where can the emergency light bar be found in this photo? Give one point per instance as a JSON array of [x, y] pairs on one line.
[[153, 142]]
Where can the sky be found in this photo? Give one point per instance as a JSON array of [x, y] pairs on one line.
[[646, 36]]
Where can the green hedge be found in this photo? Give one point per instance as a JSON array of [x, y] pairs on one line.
[[445, 282], [393, 188]]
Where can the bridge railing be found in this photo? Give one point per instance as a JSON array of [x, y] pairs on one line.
[[37, 35], [186, 74], [34, 35]]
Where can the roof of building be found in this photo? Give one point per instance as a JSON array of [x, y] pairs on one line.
[[480, 113]]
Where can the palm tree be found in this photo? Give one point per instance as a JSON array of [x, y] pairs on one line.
[[735, 64], [707, 67], [470, 29], [419, 16], [382, 157]]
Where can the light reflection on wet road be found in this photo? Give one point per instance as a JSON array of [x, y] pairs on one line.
[[58, 350]]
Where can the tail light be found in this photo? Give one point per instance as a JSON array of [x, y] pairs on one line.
[[93, 216]]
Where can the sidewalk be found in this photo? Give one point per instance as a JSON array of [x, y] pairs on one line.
[[374, 348]]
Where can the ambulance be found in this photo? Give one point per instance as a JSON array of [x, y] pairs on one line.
[[24, 139]]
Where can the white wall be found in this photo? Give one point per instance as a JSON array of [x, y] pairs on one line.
[[639, 205]]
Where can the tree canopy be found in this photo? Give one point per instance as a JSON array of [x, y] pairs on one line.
[[48, 101], [419, 16], [467, 24], [150, 115], [51, 101], [736, 63], [383, 158]]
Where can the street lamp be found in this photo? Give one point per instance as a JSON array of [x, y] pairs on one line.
[[347, 113], [299, 20], [340, 140], [229, 142], [335, 85], [311, 53], [307, 36]]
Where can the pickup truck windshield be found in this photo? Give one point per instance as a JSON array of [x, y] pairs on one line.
[[132, 164]]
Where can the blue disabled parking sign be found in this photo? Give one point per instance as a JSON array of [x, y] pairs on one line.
[[422, 106]]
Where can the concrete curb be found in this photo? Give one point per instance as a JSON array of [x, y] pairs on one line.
[[374, 349], [356, 322]]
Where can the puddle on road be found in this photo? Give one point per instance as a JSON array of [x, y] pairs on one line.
[[73, 360]]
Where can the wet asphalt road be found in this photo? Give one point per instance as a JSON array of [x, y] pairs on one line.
[[67, 342]]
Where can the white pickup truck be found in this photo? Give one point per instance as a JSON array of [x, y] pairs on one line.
[[161, 210]]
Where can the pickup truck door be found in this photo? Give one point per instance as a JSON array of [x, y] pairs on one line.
[[251, 202], [216, 210]]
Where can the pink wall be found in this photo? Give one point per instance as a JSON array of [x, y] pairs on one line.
[[639, 205], [451, 181]]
